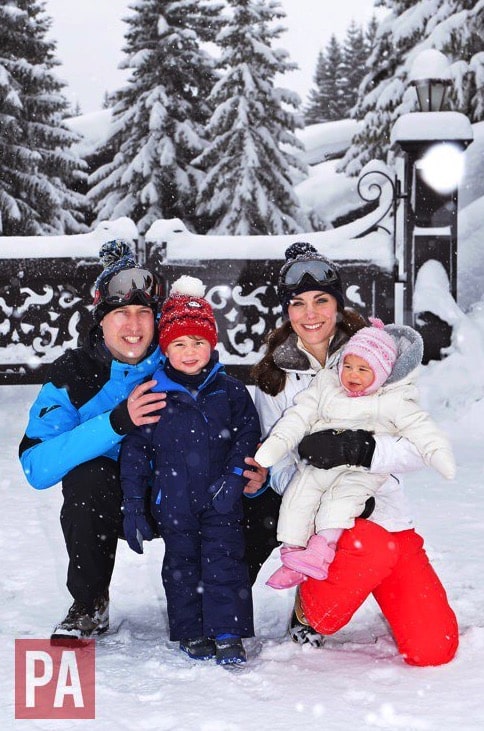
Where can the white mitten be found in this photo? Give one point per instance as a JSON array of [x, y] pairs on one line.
[[444, 462], [271, 451]]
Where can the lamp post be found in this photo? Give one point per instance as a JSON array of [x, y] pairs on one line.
[[433, 142]]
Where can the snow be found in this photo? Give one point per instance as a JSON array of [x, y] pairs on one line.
[[429, 64], [417, 126], [356, 681]]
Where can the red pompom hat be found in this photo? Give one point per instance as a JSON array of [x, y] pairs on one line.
[[186, 312]]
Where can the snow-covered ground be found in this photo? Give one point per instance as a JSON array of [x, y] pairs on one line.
[[357, 681]]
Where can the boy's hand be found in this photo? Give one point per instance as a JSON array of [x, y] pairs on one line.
[[226, 491], [135, 524]]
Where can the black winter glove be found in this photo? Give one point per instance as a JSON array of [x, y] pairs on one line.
[[334, 448]]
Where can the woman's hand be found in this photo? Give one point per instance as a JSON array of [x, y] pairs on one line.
[[334, 447], [255, 476]]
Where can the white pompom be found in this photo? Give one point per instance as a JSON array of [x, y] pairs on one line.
[[190, 286]]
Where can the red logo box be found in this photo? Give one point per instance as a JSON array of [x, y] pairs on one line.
[[55, 681]]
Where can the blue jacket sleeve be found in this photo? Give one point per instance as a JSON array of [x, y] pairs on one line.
[[57, 440], [136, 463], [245, 427]]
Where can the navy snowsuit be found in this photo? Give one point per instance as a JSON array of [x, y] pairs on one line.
[[193, 459]]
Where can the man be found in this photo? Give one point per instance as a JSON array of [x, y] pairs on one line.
[[93, 396]]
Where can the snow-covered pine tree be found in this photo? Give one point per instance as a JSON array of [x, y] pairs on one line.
[[248, 188], [455, 27], [38, 170], [325, 101], [355, 51], [158, 117], [340, 69]]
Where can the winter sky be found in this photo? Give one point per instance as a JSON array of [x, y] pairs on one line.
[[90, 36]]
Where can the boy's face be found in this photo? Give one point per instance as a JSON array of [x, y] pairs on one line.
[[356, 374], [189, 354]]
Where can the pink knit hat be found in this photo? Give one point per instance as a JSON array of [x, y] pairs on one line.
[[378, 348], [186, 312]]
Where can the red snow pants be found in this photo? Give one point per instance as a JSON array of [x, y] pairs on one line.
[[396, 570]]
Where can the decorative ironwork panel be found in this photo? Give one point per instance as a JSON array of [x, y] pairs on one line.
[[43, 311], [44, 306]]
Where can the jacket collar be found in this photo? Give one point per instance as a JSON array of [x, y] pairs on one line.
[[291, 355], [165, 383]]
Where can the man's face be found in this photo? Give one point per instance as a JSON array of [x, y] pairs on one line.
[[128, 332]]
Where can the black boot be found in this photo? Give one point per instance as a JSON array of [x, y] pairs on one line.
[[201, 648], [230, 651]]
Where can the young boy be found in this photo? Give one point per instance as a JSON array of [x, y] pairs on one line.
[[193, 460], [374, 391]]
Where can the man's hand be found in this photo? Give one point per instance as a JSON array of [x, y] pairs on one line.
[[332, 448], [142, 402], [255, 476]]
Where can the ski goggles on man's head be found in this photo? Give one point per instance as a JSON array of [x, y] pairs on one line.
[[126, 285], [321, 271]]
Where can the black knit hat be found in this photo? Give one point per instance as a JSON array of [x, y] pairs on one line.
[[306, 270], [122, 281]]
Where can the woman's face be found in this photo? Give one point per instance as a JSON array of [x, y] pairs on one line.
[[313, 317]]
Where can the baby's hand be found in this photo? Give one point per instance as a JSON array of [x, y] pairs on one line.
[[444, 462], [272, 450]]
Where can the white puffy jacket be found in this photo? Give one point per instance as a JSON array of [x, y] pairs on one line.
[[392, 454]]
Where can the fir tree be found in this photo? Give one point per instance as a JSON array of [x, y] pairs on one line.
[[317, 106], [355, 52], [339, 72], [38, 170], [455, 27], [158, 118], [248, 188], [325, 101]]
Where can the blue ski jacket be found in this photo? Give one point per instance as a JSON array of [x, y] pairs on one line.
[[80, 412]]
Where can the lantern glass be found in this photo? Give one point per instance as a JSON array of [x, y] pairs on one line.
[[431, 94]]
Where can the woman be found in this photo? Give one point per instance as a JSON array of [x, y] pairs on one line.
[[382, 555]]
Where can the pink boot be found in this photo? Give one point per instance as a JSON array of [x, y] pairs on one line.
[[313, 561], [285, 578]]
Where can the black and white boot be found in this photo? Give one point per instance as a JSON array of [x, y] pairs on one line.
[[300, 630]]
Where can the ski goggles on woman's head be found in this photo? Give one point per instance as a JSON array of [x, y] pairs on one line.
[[321, 271], [128, 284]]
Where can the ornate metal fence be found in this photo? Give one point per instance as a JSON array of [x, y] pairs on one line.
[[45, 299], [45, 303]]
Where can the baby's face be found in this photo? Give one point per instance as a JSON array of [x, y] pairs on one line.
[[356, 374]]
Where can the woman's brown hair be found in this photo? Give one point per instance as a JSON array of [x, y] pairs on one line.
[[270, 378]]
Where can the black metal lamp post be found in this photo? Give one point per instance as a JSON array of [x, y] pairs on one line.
[[429, 220]]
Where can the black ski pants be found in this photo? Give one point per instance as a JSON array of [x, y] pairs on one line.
[[91, 520], [260, 528]]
